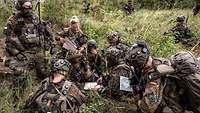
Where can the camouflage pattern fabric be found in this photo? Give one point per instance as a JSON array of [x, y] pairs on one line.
[[86, 6], [78, 38], [24, 43], [182, 33], [113, 78], [196, 8], [183, 83], [129, 8], [187, 78], [153, 85], [123, 50], [63, 97]]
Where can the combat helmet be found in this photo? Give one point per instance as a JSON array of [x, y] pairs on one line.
[[61, 66], [113, 56], [20, 3], [74, 19], [113, 37], [91, 44], [184, 63], [180, 18], [138, 54]]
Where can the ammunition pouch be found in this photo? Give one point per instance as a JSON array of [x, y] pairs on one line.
[[73, 91], [31, 39], [16, 43]]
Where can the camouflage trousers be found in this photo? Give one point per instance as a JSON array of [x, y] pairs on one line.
[[24, 68], [30, 61]]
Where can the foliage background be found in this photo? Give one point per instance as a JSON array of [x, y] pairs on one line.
[[151, 19]]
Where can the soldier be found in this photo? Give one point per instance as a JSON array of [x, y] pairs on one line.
[[26, 41], [129, 8], [147, 82], [56, 94], [181, 32], [184, 82], [116, 67], [86, 6], [74, 33], [93, 57], [196, 8], [86, 65], [114, 41]]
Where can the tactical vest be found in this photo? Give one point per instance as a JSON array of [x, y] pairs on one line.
[[27, 32], [65, 98], [153, 87], [114, 80], [182, 32]]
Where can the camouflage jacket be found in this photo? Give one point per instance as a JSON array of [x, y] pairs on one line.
[[196, 7], [78, 38], [121, 47], [111, 81], [129, 8], [58, 98], [181, 32], [82, 72], [26, 34], [151, 85]]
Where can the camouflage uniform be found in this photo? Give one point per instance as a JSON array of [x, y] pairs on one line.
[[181, 32], [78, 38], [94, 59], [196, 8], [182, 91], [25, 42], [86, 68], [61, 97], [129, 8], [114, 41], [116, 67], [148, 82], [86, 6]]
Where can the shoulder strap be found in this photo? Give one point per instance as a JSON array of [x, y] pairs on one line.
[[65, 97]]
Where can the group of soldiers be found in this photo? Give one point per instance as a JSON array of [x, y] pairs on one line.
[[161, 85], [128, 8]]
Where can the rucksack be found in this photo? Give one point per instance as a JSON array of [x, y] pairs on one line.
[[187, 70]]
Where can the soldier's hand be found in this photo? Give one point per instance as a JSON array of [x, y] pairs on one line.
[[99, 81]]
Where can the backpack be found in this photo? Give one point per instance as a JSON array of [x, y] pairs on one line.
[[187, 71]]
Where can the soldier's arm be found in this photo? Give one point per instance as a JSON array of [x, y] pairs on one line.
[[31, 101], [13, 45], [9, 29]]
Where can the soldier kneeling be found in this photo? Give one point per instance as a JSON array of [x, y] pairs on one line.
[[56, 94]]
